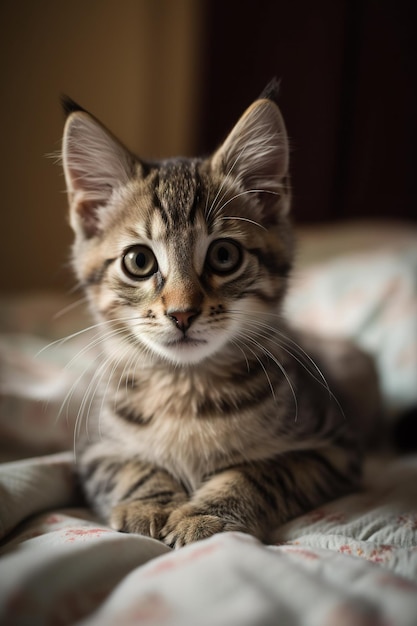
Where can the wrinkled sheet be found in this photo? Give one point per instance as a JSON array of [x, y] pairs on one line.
[[352, 562]]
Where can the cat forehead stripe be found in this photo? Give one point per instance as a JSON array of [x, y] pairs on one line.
[[177, 191]]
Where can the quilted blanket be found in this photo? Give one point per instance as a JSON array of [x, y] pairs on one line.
[[352, 562]]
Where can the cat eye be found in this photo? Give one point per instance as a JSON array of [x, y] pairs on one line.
[[139, 262], [224, 256]]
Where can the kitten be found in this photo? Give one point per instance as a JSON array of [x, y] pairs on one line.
[[207, 416]]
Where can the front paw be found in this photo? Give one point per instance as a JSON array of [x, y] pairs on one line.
[[186, 525], [141, 518]]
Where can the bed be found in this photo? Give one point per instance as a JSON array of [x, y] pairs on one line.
[[352, 562]]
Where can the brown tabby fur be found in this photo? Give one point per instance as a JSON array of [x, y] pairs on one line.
[[205, 414]]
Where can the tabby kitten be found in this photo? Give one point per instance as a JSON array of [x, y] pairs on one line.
[[206, 416]]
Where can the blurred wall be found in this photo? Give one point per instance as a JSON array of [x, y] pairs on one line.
[[133, 63], [348, 71]]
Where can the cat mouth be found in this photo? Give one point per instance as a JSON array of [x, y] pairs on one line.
[[185, 341]]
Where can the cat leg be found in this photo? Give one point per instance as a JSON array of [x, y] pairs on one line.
[[256, 498], [132, 496]]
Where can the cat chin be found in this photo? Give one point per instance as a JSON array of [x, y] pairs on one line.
[[188, 352]]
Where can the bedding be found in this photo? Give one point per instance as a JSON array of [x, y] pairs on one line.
[[351, 562]]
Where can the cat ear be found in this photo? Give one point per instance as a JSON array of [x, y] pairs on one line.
[[256, 153], [95, 163]]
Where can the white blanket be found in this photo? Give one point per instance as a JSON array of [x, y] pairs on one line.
[[352, 562]]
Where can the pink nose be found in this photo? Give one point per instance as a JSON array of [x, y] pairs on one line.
[[183, 319]]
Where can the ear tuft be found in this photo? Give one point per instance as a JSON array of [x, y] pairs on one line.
[[271, 91], [69, 105]]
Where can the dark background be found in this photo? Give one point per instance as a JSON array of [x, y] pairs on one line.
[[348, 94], [172, 77]]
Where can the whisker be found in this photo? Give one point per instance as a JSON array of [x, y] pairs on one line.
[[85, 404], [69, 307], [85, 409], [207, 199], [243, 193], [287, 344], [97, 380], [234, 342], [68, 398], [212, 207], [59, 342], [125, 375], [243, 219], [262, 366], [89, 395], [281, 368], [111, 375], [95, 341], [285, 348]]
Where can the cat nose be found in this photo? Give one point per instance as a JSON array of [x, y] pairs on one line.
[[183, 319]]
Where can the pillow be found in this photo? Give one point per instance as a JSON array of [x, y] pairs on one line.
[[368, 295]]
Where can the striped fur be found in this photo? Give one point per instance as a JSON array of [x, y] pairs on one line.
[[204, 413]]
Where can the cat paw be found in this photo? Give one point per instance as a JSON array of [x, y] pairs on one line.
[[186, 526], [141, 518]]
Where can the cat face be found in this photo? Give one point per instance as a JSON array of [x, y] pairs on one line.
[[179, 258]]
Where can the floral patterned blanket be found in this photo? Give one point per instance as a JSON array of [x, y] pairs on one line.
[[352, 562]]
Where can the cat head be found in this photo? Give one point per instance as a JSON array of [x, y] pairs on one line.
[[181, 257]]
